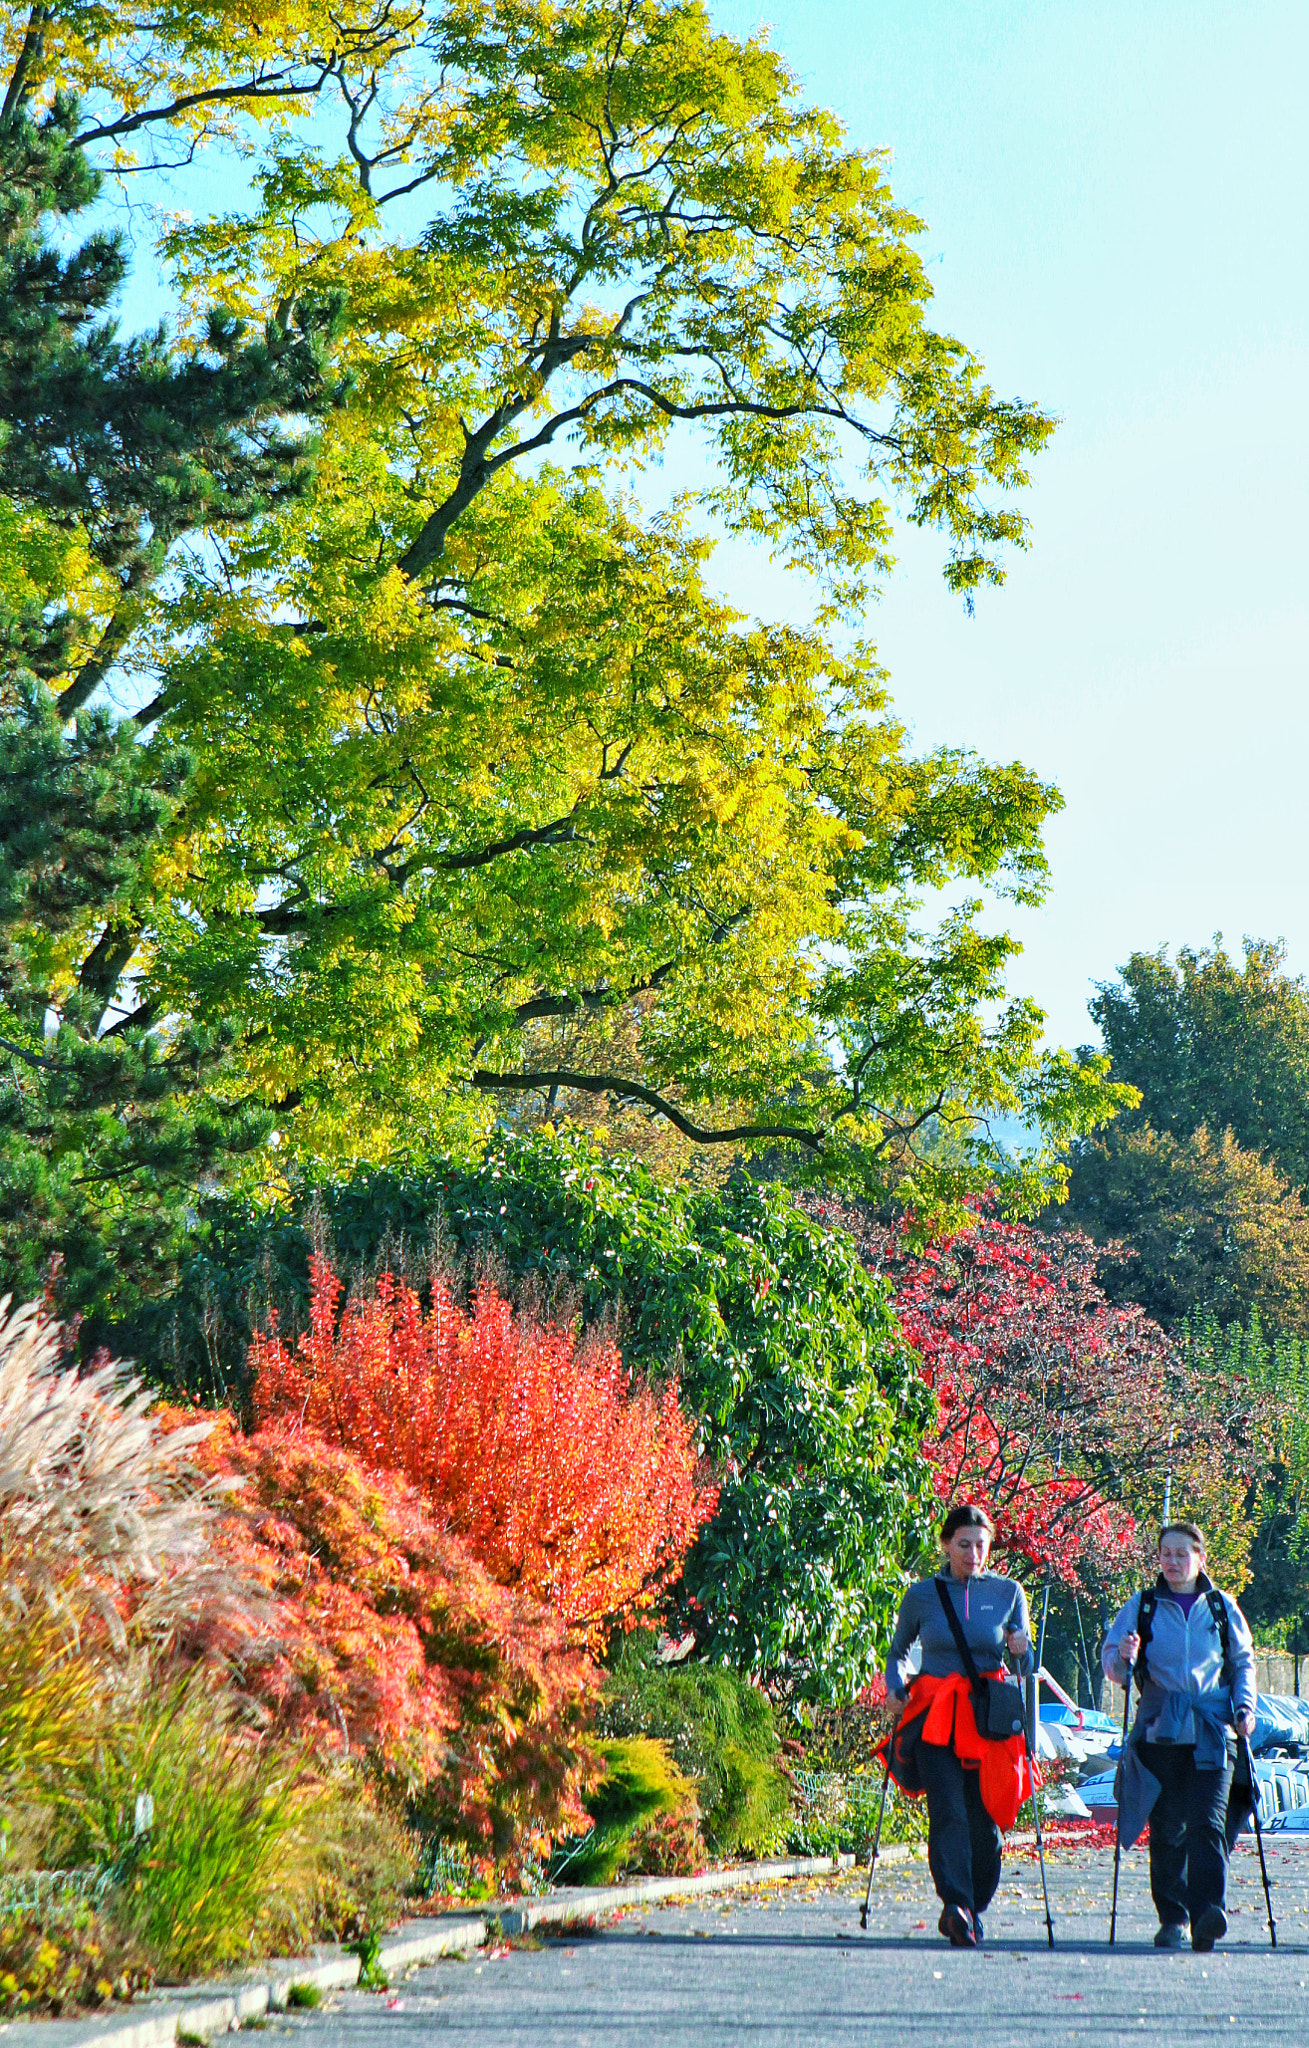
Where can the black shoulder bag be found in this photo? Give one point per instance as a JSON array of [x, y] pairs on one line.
[[998, 1705]]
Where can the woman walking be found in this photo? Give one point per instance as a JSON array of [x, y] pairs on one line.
[[1191, 1650], [963, 1619]]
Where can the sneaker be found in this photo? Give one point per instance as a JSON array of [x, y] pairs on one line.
[[1171, 1935], [956, 1924], [1209, 1928], [978, 1929]]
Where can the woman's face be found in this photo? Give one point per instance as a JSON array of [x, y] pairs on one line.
[[967, 1552], [1181, 1558]]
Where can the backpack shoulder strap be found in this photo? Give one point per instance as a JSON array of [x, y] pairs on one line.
[[1145, 1614], [1218, 1609]]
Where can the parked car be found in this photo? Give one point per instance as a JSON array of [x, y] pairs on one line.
[[1283, 1793]]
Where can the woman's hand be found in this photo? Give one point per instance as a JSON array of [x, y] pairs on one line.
[[1019, 1642], [1129, 1648], [1245, 1722]]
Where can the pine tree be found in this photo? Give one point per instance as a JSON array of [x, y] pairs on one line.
[[112, 451]]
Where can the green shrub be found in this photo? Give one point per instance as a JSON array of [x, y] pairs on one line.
[[190, 1888], [839, 1815], [74, 1965], [721, 1732], [641, 1787], [785, 1345]]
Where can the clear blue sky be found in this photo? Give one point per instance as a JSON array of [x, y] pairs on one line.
[[1118, 223]]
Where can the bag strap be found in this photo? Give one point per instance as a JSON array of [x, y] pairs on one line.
[[956, 1630]]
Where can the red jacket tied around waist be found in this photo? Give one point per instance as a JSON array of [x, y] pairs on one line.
[[940, 1710]]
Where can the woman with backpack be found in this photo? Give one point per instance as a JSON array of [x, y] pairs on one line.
[[1190, 1648], [975, 1777]]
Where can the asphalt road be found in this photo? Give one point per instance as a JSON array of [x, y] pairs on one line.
[[789, 1964]]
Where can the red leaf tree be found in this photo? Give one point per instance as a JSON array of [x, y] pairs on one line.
[[384, 1639], [1057, 1410], [560, 1474]]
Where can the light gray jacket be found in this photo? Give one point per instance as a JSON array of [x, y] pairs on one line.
[[1184, 1656]]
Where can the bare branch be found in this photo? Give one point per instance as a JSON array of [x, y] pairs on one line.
[[614, 1084]]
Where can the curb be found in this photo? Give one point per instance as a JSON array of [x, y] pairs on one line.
[[585, 1902], [206, 2010], [221, 2008]]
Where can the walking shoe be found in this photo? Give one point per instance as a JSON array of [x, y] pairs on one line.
[[956, 1924], [1209, 1928], [1171, 1935], [978, 1929]]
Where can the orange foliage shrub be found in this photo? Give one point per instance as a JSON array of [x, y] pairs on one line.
[[561, 1476], [385, 1638]]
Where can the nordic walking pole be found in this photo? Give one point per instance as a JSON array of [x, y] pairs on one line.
[[1259, 1838], [1031, 1770], [1036, 1811], [877, 1838], [1118, 1806]]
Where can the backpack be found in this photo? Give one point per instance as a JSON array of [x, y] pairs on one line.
[[1145, 1623]]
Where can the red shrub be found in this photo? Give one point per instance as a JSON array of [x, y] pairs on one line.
[[385, 1638], [561, 1476]]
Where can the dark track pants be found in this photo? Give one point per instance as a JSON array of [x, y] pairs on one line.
[[1188, 1833], [963, 1842]]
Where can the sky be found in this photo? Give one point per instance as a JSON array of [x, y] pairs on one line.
[[1118, 225], [1117, 217]]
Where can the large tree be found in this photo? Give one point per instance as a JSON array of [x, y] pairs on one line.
[[1214, 1041], [1205, 1179], [490, 797], [111, 451], [501, 799]]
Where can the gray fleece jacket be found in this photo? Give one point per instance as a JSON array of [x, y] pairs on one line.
[[989, 1608]]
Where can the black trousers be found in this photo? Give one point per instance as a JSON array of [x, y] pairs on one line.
[[963, 1842], [1188, 1833]]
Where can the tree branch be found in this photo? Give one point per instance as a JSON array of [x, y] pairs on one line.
[[122, 624], [614, 1084], [557, 833], [27, 56], [34, 1059], [275, 86]]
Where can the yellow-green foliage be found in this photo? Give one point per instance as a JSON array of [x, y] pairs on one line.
[[191, 1888], [343, 1870], [79, 1963], [641, 1784], [537, 802], [51, 1699], [720, 1730]]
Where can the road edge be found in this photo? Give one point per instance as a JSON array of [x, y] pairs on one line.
[[200, 2011]]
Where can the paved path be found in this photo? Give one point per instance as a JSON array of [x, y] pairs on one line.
[[789, 1965]]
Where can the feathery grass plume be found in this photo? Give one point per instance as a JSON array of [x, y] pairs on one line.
[[100, 1511]]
